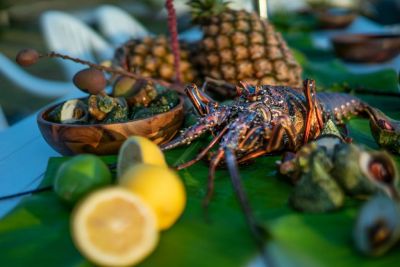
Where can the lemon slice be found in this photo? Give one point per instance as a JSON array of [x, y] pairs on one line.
[[160, 187], [137, 149], [113, 227]]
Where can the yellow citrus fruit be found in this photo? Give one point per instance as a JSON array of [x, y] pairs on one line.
[[113, 227], [159, 187], [138, 149]]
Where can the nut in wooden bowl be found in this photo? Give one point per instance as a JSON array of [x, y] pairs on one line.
[[106, 139]]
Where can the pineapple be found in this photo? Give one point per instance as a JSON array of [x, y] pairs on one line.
[[152, 57], [240, 46]]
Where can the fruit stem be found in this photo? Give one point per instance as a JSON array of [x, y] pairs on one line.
[[112, 70], [172, 28], [29, 192]]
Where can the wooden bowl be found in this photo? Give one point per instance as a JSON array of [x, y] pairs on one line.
[[366, 48], [334, 18], [106, 139]]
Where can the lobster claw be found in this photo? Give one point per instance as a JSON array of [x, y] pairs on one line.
[[385, 130]]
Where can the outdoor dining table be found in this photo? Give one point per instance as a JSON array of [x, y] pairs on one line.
[[24, 153], [23, 158]]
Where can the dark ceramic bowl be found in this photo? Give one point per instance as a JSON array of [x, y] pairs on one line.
[[367, 48], [334, 18], [106, 139]]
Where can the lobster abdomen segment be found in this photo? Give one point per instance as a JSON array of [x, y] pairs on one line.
[[340, 106]]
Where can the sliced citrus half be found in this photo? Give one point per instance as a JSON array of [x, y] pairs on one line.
[[113, 227], [138, 149]]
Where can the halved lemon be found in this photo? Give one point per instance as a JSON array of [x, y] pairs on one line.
[[138, 149], [113, 227]]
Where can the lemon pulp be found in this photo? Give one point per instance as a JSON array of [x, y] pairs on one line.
[[113, 227]]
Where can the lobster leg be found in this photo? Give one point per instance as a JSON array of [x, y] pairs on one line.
[[211, 176], [204, 152], [307, 85], [199, 100], [206, 123], [309, 93], [250, 139], [275, 137], [239, 128]]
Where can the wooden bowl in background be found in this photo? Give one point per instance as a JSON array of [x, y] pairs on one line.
[[106, 139], [366, 48], [334, 18]]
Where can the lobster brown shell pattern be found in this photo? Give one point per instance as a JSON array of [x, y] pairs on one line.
[[268, 119]]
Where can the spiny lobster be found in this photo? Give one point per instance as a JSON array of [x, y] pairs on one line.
[[269, 119]]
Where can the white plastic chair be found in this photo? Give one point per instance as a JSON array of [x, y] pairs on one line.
[[30, 83], [117, 25], [66, 34]]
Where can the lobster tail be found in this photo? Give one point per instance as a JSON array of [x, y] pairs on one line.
[[340, 106]]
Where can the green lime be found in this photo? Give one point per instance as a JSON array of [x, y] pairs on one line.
[[79, 176]]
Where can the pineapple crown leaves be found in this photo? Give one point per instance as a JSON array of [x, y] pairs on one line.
[[202, 10]]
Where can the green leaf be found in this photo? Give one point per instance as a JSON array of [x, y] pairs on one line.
[[332, 75]]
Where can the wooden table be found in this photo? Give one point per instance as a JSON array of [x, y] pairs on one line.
[[23, 158]]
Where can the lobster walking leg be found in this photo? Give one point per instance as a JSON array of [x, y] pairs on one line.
[[204, 152], [239, 128], [313, 107], [211, 176], [275, 137], [307, 85], [199, 99], [209, 122]]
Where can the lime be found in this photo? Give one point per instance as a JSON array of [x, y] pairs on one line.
[[80, 175], [113, 227], [160, 187]]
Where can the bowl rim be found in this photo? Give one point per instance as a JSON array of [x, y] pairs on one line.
[[363, 37], [51, 106]]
